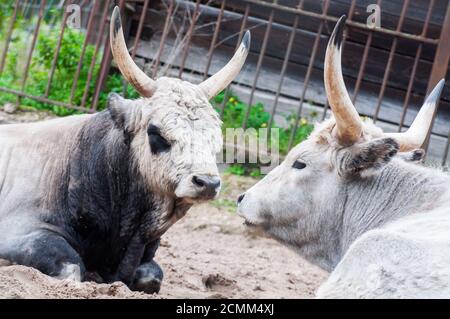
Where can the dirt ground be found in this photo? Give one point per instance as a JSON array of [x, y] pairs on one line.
[[207, 254]]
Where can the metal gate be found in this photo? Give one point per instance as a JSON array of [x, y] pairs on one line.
[[387, 68]]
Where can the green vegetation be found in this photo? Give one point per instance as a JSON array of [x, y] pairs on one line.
[[66, 67], [244, 170], [234, 115]]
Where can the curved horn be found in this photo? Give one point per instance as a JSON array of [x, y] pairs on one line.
[[223, 77], [417, 133], [348, 123], [141, 82]]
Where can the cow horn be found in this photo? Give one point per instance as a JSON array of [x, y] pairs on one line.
[[135, 76], [348, 123], [416, 135], [224, 76]]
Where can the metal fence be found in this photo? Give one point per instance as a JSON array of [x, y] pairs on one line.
[[388, 69], [39, 10]]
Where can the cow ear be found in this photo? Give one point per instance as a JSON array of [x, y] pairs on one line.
[[368, 156], [119, 109]]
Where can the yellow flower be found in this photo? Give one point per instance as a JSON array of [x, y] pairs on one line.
[[264, 125], [303, 121], [232, 99]]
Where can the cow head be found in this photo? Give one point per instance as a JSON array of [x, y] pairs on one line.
[[338, 152], [175, 131]]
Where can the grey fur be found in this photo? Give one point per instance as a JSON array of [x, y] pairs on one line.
[[351, 209]]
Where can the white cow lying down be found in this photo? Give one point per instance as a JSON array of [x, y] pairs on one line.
[[351, 200]]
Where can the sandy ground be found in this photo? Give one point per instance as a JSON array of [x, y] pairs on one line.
[[208, 254]]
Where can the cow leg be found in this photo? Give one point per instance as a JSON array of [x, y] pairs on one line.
[[149, 274], [46, 251], [130, 261]]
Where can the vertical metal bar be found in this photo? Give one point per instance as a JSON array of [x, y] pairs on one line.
[[440, 65], [414, 69], [390, 59], [83, 50], [351, 10], [442, 56], [126, 30], [57, 51], [308, 74], [8, 36], [284, 68], [137, 39], [28, 7], [94, 57], [283, 71], [189, 34], [241, 33], [362, 67], [104, 67], [33, 44], [363, 63], [24, 7], [52, 17], [258, 67], [444, 160], [410, 85], [163, 38], [139, 29], [214, 39]]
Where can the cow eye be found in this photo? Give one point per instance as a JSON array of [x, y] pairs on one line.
[[299, 165], [157, 142]]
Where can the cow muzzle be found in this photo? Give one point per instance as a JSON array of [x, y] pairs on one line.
[[199, 187], [207, 186], [249, 210]]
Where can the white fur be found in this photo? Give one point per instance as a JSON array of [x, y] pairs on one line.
[[186, 118]]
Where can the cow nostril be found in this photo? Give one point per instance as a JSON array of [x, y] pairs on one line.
[[207, 185], [240, 198], [215, 183], [198, 181]]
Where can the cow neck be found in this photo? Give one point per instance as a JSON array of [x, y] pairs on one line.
[[398, 190]]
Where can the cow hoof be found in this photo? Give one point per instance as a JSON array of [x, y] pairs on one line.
[[148, 278], [149, 285]]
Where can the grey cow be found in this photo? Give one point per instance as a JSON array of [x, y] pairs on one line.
[[94, 193], [347, 200]]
